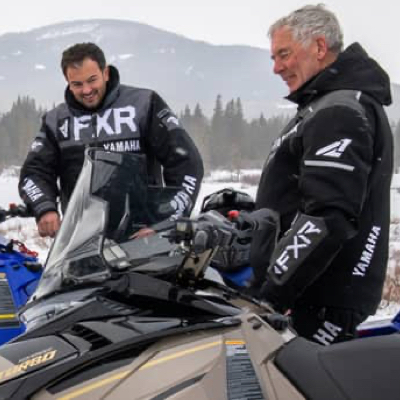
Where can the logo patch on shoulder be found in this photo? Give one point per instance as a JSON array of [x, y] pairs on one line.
[[36, 145], [335, 149], [64, 128], [168, 119]]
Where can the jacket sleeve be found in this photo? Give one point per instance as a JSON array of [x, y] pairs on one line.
[[336, 160], [175, 150], [38, 178]]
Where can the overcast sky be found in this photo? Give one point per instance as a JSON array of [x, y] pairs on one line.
[[375, 24]]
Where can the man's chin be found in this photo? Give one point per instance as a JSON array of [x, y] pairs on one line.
[[292, 85], [90, 105], [292, 88]]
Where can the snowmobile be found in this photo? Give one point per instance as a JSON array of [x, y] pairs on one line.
[[118, 315], [20, 272], [379, 327]]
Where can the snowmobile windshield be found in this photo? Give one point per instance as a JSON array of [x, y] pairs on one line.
[[111, 204]]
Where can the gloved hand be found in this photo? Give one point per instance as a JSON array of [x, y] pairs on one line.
[[256, 220], [269, 295], [278, 321]]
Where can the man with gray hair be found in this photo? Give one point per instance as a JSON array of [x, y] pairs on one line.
[[328, 176]]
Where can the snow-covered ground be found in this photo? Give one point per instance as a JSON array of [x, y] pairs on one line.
[[20, 229], [25, 229]]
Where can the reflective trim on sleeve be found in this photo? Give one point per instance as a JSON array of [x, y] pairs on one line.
[[330, 164]]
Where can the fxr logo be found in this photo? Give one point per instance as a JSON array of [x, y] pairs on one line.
[[300, 241], [110, 123]]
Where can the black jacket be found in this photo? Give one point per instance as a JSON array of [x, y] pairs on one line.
[[128, 119], [333, 161]]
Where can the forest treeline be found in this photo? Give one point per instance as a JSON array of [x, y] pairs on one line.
[[226, 140], [18, 127]]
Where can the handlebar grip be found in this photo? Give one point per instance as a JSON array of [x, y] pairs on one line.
[[15, 210]]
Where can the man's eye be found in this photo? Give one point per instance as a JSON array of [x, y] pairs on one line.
[[284, 55]]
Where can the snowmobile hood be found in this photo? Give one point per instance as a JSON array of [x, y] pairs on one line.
[[198, 364], [17, 360], [352, 70]]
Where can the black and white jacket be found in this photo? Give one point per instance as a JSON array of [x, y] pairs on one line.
[[333, 164], [128, 120]]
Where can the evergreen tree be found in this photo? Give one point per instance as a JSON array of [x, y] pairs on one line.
[[201, 131], [239, 137], [217, 134], [186, 117], [18, 127]]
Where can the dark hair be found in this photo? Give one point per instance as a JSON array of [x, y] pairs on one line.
[[76, 54]]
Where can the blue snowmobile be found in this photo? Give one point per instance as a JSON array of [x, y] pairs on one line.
[[20, 272]]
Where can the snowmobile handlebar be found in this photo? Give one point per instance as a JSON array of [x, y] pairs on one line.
[[199, 236], [200, 239], [14, 210]]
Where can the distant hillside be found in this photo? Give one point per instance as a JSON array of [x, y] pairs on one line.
[[184, 71]]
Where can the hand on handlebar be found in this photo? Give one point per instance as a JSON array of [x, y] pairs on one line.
[[143, 232], [261, 219]]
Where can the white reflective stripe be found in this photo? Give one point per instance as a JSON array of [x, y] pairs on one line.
[[330, 164]]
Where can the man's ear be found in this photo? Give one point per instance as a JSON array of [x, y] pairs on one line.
[[107, 73], [322, 48]]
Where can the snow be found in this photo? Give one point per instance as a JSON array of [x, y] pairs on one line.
[[19, 228], [189, 70], [40, 66], [169, 50], [226, 176], [286, 106], [125, 56], [9, 189], [67, 31]]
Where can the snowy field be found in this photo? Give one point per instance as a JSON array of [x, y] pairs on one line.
[[25, 229]]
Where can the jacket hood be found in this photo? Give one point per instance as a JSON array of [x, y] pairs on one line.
[[111, 94], [352, 70]]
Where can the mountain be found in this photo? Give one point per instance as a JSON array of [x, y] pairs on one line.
[[182, 70]]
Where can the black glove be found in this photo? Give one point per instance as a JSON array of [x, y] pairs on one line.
[[263, 218], [268, 294], [278, 321]]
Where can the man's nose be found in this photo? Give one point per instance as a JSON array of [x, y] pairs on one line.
[[278, 66], [86, 88]]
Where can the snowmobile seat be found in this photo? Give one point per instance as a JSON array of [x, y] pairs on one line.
[[362, 369]]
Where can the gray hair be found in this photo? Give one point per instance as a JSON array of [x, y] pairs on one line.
[[310, 21]]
